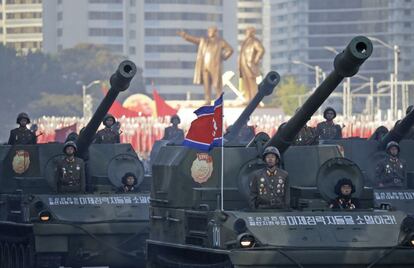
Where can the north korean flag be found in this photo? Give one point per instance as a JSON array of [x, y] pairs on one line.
[[206, 131]]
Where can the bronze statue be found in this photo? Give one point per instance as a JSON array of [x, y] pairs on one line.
[[212, 50], [251, 52]]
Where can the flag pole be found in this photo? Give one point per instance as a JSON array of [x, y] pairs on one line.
[[222, 157]]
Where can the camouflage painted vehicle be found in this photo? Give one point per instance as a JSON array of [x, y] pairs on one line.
[[366, 153], [40, 228], [198, 220]]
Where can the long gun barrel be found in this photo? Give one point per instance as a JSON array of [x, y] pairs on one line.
[[119, 82], [265, 88], [346, 64], [399, 130]]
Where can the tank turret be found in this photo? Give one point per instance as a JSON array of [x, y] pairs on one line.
[[346, 64], [265, 88], [119, 82]]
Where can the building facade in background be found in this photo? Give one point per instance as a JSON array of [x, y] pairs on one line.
[[21, 24], [249, 14], [145, 32], [300, 30]]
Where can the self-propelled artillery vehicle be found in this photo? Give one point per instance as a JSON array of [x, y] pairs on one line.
[[367, 153], [202, 219], [42, 228]]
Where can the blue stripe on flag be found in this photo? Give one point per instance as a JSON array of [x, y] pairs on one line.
[[204, 110], [196, 145]]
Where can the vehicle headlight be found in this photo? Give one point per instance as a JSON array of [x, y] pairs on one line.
[[246, 240], [45, 215]]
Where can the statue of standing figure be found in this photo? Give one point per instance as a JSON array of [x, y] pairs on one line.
[[212, 50], [251, 52]]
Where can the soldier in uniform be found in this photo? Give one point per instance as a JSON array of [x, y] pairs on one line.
[[306, 136], [391, 172], [172, 133], [269, 186], [328, 130], [129, 180], [107, 135], [70, 171], [344, 188], [22, 135]]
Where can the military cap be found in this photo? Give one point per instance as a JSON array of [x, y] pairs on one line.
[[329, 109], [70, 143], [21, 116], [342, 182], [271, 150]]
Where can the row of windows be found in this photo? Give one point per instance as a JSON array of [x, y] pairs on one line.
[[105, 1], [105, 15], [351, 28], [20, 30], [183, 16], [250, 9], [169, 64], [105, 32], [24, 45], [173, 32], [258, 31], [192, 2], [169, 81], [23, 1], [170, 48], [355, 15], [250, 20], [24, 15], [341, 4]]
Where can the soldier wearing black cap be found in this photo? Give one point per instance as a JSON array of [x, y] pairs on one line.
[[173, 133], [328, 130], [107, 135], [129, 180], [391, 172], [269, 186], [22, 135], [344, 188], [70, 171]]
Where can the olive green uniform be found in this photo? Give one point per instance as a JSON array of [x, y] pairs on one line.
[[70, 174], [327, 131], [269, 189], [391, 172], [107, 135], [306, 136], [22, 135]]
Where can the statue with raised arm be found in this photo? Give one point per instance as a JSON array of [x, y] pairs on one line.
[[251, 52], [212, 50]]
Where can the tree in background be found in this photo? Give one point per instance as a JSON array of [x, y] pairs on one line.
[[288, 94], [41, 84]]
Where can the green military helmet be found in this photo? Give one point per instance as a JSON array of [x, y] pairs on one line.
[[107, 116], [175, 117], [329, 109], [271, 150], [70, 143], [21, 116], [392, 144]]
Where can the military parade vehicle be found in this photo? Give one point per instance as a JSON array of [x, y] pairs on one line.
[[200, 215], [42, 228], [367, 153]]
